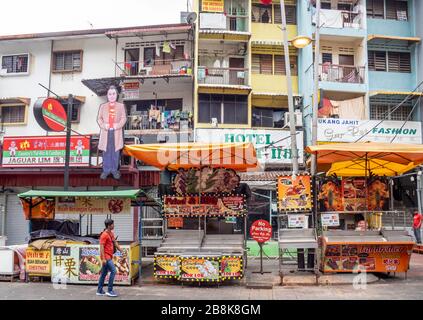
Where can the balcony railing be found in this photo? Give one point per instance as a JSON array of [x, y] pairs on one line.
[[341, 73], [220, 21], [339, 19], [170, 120], [225, 76], [155, 67]]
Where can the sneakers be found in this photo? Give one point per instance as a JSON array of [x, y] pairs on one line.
[[101, 293], [111, 294], [104, 176]]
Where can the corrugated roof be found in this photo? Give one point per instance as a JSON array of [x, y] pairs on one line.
[[72, 33]]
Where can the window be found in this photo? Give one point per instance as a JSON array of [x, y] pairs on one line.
[[227, 109], [267, 117], [149, 54], [325, 5], [15, 63], [326, 57], [280, 65], [13, 114], [345, 7], [396, 10], [262, 63], [261, 13], [377, 60], [385, 112], [76, 110], [375, 9], [291, 14], [67, 61], [399, 62]]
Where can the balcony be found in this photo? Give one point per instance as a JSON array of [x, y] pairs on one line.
[[341, 22], [223, 76], [174, 120], [235, 22], [156, 67], [341, 73]]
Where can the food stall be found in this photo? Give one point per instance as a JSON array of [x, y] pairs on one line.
[[70, 258], [294, 194], [206, 205], [352, 199]]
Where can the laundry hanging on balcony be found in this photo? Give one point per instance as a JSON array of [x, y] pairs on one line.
[[345, 109], [166, 47]]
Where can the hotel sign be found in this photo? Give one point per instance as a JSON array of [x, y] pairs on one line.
[[273, 147], [348, 130]]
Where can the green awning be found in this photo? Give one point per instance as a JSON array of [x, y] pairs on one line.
[[132, 194]]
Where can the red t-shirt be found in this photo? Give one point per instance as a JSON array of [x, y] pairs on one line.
[[106, 239], [417, 220]]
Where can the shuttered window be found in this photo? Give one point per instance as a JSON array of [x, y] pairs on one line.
[[13, 114], [375, 9], [65, 61], [291, 14], [396, 10], [377, 60], [262, 63], [399, 62], [227, 109], [280, 65]]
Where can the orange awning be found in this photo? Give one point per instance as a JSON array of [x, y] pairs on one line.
[[404, 154], [173, 156]]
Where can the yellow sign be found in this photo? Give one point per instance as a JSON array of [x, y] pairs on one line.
[[231, 267], [213, 6], [38, 262], [166, 266], [200, 269], [294, 193]]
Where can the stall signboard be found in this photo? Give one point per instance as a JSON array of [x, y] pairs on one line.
[[231, 267], [167, 266], [212, 5], [42, 209], [50, 114], [348, 130], [297, 221], [205, 180], [387, 257], [273, 147], [200, 268], [38, 262], [175, 222], [230, 205], [294, 193], [82, 264], [131, 89], [261, 231], [378, 194], [330, 219], [330, 195], [45, 151], [354, 192], [91, 205]]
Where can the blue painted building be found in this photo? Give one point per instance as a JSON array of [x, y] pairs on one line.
[[370, 60]]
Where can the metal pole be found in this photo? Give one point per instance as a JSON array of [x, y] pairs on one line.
[[419, 196], [68, 141], [292, 119], [316, 89]]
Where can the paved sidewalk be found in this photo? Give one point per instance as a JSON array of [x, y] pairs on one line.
[[386, 288]]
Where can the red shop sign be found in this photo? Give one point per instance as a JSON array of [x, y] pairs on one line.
[[50, 114], [261, 231]]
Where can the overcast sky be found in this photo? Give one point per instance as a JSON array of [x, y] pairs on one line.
[[31, 16]]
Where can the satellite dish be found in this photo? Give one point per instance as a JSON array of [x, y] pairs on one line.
[[191, 18]]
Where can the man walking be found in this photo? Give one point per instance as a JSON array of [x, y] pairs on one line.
[[417, 223], [108, 244]]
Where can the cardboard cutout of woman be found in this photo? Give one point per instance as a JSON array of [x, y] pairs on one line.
[[111, 120]]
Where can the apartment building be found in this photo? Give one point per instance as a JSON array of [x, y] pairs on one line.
[[153, 66]]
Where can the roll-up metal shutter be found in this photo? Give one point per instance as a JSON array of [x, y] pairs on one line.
[[17, 228], [123, 225]]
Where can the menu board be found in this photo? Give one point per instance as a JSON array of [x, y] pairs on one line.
[[167, 266], [38, 262], [374, 258], [200, 268], [378, 194], [294, 193], [354, 191], [297, 221], [330, 219], [231, 267], [330, 195]]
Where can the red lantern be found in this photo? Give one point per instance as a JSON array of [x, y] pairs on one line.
[[266, 2]]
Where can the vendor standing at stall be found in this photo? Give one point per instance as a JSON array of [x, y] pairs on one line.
[[417, 224], [111, 120], [108, 244]]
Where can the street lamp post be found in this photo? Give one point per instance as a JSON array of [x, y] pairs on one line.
[[293, 132], [315, 109]]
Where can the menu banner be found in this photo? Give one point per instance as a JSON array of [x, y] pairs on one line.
[[200, 268], [38, 262], [167, 266], [294, 193]]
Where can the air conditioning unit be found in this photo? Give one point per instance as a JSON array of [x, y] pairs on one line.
[[298, 119]]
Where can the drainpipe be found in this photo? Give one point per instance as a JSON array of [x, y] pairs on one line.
[[51, 67]]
